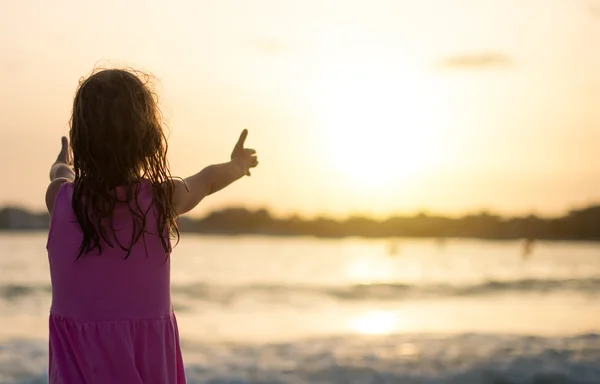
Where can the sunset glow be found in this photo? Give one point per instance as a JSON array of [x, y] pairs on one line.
[[385, 107]]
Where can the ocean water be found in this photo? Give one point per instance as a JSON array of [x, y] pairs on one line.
[[304, 310]]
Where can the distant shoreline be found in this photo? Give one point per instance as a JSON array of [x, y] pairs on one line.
[[577, 225], [390, 238]]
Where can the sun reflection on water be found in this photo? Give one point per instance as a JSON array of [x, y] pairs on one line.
[[369, 270], [375, 323]]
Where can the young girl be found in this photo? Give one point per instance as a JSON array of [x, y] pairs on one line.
[[113, 209]]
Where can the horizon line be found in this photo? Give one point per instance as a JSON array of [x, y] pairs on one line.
[[350, 215]]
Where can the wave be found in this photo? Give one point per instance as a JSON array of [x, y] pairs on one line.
[[11, 292], [416, 359], [389, 291], [384, 291]]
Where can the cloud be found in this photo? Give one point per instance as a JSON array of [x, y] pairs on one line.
[[476, 61]]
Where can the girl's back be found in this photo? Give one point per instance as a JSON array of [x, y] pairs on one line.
[[111, 319]]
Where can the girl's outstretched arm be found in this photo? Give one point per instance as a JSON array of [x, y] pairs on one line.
[[190, 191], [60, 173]]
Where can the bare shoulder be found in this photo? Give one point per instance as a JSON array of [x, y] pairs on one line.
[[52, 191]]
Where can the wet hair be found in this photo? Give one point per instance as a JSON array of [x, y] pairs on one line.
[[117, 140]]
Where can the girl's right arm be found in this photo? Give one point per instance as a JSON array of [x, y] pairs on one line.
[[190, 191]]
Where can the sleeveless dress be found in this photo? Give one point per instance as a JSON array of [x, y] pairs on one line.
[[111, 320]]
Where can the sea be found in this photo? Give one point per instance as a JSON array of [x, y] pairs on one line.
[[270, 310]]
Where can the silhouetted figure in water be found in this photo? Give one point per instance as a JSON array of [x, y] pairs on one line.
[[527, 249], [393, 248], [441, 243]]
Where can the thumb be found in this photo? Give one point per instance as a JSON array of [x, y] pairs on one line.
[[64, 150], [240, 143]]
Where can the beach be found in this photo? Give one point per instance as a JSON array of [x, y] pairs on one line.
[[258, 309]]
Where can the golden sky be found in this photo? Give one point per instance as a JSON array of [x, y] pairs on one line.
[[354, 106]]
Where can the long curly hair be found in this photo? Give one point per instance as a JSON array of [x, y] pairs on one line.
[[117, 140]]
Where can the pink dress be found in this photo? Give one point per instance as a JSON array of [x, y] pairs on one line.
[[111, 320]]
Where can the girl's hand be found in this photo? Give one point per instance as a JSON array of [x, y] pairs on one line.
[[60, 173], [244, 156], [62, 167]]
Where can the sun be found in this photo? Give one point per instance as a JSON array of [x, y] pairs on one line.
[[378, 130]]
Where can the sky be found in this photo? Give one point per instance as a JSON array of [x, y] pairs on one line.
[[355, 107]]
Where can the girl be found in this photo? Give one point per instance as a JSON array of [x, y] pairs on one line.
[[113, 211]]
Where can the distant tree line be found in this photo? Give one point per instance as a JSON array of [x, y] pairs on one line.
[[581, 224]]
